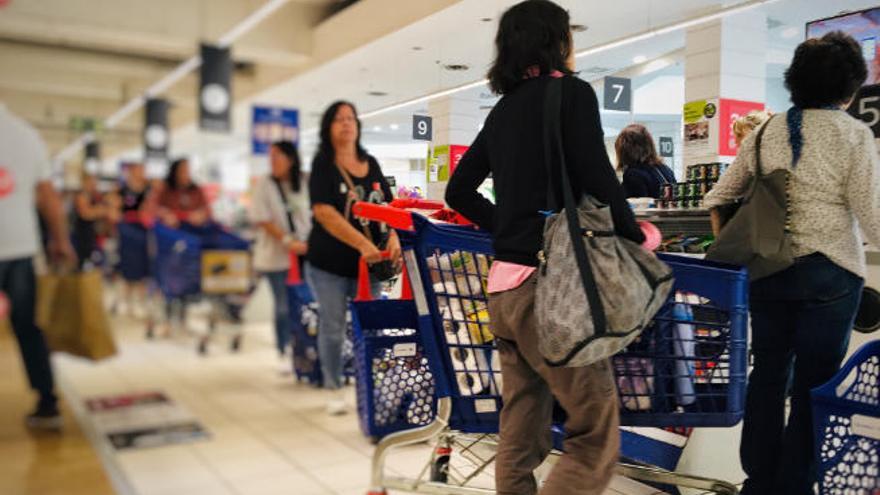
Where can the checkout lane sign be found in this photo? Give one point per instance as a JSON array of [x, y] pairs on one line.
[[270, 124]]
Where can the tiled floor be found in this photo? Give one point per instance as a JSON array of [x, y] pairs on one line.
[[42, 463], [269, 435]]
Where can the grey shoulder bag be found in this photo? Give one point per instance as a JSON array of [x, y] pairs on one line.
[[596, 291], [757, 235]]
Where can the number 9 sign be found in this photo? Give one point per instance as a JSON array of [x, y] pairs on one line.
[[422, 128]]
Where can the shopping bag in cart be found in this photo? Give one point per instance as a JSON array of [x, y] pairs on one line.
[[70, 311]]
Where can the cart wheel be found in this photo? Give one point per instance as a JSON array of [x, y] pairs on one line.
[[374, 440], [440, 468], [235, 345], [151, 330], [203, 346]]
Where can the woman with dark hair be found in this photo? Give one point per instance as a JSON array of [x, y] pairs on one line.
[[92, 211], [280, 208], [644, 172], [802, 316], [181, 200], [342, 174], [534, 45]]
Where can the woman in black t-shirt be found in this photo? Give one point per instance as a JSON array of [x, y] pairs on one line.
[[342, 173]]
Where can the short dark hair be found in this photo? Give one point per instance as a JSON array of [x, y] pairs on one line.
[[326, 146], [171, 178], [289, 150], [826, 71], [533, 33], [635, 146]]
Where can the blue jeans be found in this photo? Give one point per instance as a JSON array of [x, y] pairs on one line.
[[18, 282], [278, 284], [801, 323], [332, 293]]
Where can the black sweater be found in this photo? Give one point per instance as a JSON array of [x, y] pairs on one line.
[[510, 146]]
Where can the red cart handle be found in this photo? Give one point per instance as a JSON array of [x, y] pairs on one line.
[[417, 204], [363, 290], [394, 217]]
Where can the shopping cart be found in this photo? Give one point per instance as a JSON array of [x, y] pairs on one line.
[[193, 263], [846, 416], [688, 368], [304, 318], [395, 388]]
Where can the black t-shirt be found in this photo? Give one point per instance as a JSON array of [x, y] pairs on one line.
[[326, 186], [132, 200]]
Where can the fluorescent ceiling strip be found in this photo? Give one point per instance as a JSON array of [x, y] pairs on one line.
[[174, 76], [645, 35]]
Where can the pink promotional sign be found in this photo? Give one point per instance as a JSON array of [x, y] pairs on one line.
[[729, 111]]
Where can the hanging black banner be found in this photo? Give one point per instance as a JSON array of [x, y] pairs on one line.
[[215, 96], [156, 129]]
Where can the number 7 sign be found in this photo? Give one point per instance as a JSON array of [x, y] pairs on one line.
[[618, 94]]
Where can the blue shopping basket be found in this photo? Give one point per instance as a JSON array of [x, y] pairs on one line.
[[395, 387], [134, 259], [846, 417], [688, 368], [177, 266]]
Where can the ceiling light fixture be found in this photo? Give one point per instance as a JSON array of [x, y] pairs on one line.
[[377, 128], [456, 67], [394, 127], [189, 65], [640, 59], [579, 28]]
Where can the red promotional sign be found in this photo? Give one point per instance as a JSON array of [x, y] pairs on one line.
[[456, 152], [730, 111]]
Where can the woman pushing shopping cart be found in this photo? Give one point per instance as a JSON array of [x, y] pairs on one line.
[[687, 368]]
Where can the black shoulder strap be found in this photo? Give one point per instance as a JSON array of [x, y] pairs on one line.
[[758, 139], [285, 202], [553, 143]]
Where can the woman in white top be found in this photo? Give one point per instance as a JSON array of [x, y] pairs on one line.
[[802, 317], [280, 208]]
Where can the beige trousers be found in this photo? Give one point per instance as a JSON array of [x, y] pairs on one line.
[[588, 396]]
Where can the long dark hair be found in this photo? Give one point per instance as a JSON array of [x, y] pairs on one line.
[[171, 178], [534, 33], [635, 146], [289, 150], [326, 147]]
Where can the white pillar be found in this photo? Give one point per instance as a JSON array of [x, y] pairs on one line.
[[726, 67], [456, 123]]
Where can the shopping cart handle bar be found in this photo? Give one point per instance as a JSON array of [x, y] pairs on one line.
[[395, 217], [417, 204]]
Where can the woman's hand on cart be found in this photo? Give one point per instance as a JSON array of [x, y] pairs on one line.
[[370, 253], [297, 247]]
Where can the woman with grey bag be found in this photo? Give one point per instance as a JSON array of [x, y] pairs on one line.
[[534, 46], [802, 314]]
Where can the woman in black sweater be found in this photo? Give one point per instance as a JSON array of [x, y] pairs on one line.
[[533, 45]]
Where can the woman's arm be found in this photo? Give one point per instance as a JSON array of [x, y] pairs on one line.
[[461, 192], [335, 224], [86, 210], [734, 182], [863, 186], [588, 161]]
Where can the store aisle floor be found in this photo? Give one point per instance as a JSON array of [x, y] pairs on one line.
[[268, 434], [38, 462]]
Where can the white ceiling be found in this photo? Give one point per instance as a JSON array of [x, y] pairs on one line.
[[463, 34]]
